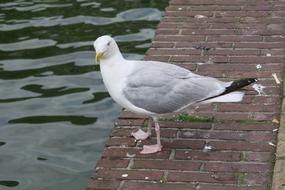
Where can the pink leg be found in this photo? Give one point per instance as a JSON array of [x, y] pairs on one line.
[[140, 134], [149, 149]]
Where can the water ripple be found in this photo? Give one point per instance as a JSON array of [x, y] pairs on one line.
[[79, 58], [142, 35], [9, 183], [149, 14], [55, 113], [33, 8], [27, 44], [74, 119]]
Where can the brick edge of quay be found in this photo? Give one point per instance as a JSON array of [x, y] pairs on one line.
[[278, 179]]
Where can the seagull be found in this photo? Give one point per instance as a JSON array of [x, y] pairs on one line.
[[153, 88]]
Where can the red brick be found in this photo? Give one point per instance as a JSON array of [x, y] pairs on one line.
[[210, 32], [272, 91], [256, 179], [244, 127], [258, 8], [182, 125], [280, 38], [234, 75], [162, 45], [120, 153], [195, 58], [215, 8], [260, 45], [106, 163], [177, 143], [240, 67], [273, 52], [173, 19], [185, 13], [103, 184], [230, 187], [231, 116], [120, 142], [261, 136], [266, 100], [167, 31], [184, 144], [203, 108], [261, 116], [279, 13], [194, 134], [236, 167], [203, 177], [271, 31], [175, 8], [241, 14], [126, 132], [272, 20], [270, 82], [260, 59], [177, 38], [182, 25], [204, 44], [235, 38], [256, 136], [207, 156], [196, 25], [258, 156], [278, 7], [173, 52], [241, 146], [166, 133], [131, 174], [256, 26], [233, 52], [166, 165], [246, 108], [122, 132], [224, 20], [129, 185]]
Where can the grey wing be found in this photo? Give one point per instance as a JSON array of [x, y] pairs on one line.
[[164, 88]]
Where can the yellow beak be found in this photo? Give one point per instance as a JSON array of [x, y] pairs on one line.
[[98, 56]]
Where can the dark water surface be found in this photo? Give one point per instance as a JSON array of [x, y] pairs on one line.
[[55, 113]]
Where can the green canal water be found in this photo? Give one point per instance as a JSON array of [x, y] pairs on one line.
[[55, 113]]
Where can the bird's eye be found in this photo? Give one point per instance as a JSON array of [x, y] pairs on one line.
[[108, 43]]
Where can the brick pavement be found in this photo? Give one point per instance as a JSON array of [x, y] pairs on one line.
[[219, 38]]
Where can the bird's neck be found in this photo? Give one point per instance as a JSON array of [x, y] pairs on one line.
[[114, 65], [114, 71], [113, 60]]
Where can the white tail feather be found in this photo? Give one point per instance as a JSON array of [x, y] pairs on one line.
[[231, 97]]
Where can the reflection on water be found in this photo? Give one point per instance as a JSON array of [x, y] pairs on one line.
[[55, 113], [9, 183]]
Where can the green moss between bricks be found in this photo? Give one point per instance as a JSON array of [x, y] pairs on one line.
[[184, 117], [188, 118]]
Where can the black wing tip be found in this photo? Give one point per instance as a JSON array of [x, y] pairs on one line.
[[251, 80], [238, 84]]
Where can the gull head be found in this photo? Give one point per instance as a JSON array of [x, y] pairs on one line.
[[105, 47]]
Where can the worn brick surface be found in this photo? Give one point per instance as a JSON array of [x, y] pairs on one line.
[[226, 39]]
